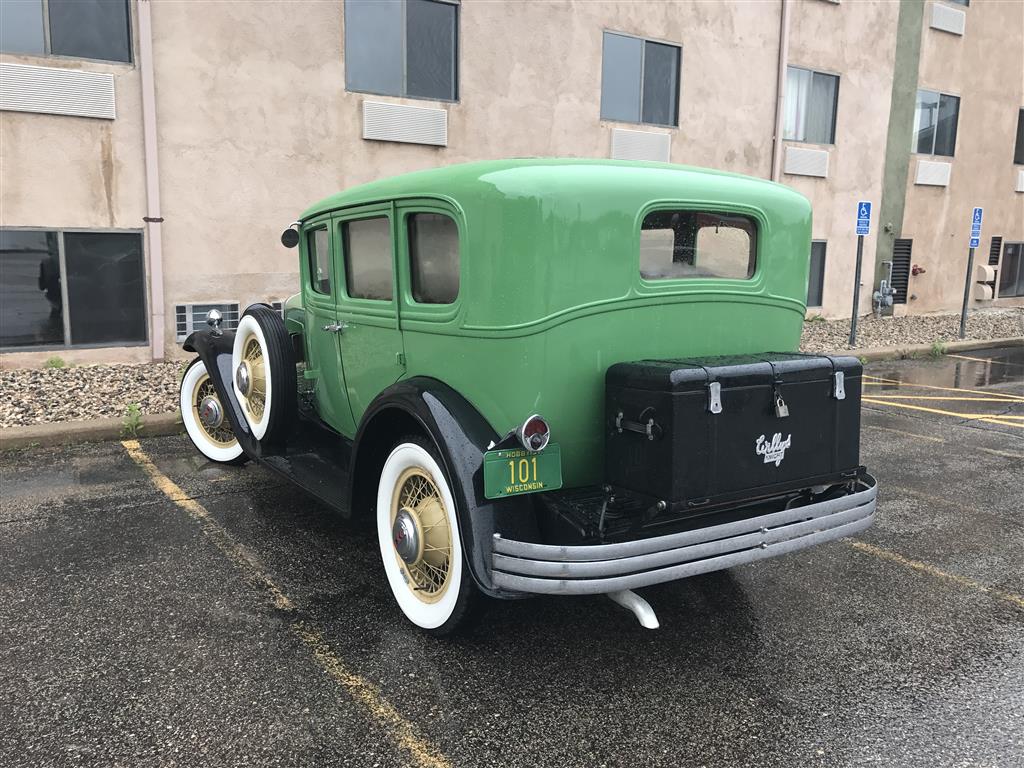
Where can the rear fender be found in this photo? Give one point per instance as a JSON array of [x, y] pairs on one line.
[[215, 352], [461, 436]]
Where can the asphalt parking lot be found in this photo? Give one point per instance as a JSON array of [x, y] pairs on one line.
[[158, 610]]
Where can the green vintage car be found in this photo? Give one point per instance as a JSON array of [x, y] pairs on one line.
[[546, 376]]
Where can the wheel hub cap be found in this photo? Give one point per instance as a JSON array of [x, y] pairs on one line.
[[210, 413], [243, 379], [406, 537]]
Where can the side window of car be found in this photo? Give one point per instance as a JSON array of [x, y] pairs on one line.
[[678, 244], [319, 248], [369, 269], [433, 257]]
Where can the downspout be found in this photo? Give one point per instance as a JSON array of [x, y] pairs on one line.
[[780, 84], [152, 218]]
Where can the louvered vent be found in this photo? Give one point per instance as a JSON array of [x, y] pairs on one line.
[[56, 91], [994, 250], [901, 269], [192, 317], [278, 306]]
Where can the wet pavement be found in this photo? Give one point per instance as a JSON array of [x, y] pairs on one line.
[[136, 630]]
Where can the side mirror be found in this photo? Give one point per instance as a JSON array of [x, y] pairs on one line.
[[290, 237]]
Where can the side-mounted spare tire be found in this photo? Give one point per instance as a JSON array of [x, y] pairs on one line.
[[263, 365]]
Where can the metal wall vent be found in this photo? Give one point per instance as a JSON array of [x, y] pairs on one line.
[[994, 250], [55, 91], [192, 317], [901, 252], [948, 19], [806, 162], [278, 306], [933, 173], [641, 145], [383, 121]]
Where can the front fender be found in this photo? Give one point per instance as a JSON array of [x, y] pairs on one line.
[[461, 436], [215, 352]]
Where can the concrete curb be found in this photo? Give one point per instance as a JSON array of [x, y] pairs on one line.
[[91, 431], [876, 354], [97, 430]]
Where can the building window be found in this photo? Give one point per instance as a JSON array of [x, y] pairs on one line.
[[84, 29], [811, 102], [639, 80], [71, 288], [402, 48], [1018, 151], [433, 258], [935, 122], [959, 2], [816, 278], [369, 269], [1011, 273], [688, 244]]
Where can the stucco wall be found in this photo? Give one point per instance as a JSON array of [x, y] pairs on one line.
[[864, 63], [983, 67]]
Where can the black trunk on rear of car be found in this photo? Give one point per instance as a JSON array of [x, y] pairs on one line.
[[696, 434]]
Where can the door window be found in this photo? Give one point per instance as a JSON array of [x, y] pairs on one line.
[[369, 269], [433, 258], [319, 248]]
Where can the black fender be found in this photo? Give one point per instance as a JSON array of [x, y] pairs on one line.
[[215, 351], [461, 435]]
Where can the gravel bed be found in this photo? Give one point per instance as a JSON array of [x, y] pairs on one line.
[[34, 396], [833, 335]]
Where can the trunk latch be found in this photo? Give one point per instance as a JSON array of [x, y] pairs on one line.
[[715, 397], [838, 387]]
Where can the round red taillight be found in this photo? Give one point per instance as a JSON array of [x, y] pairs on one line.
[[534, 434]]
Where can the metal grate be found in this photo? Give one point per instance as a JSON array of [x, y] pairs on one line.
[[901, 269], [278, 306], [192, 317], [994, 251]]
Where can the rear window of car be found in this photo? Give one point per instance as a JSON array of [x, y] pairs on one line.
[[681, 244]]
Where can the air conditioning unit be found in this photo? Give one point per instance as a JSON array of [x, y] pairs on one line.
[[192, 317]]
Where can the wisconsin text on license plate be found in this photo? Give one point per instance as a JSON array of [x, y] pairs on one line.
[[512, 471]]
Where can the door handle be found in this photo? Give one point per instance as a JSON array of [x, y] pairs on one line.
[[336, 327]]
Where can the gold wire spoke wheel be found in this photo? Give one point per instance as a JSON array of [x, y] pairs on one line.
[[428, 569], [220, 435], [254, 360]]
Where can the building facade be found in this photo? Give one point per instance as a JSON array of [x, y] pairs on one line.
[[151, 152]]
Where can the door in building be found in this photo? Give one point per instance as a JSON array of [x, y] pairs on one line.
[[320, 288], [370, 336]]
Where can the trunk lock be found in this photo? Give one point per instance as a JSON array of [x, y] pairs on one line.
[[715, 397], [838, 387], [781, 409]]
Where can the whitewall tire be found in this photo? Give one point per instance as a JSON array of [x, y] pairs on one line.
[[251, 351], [263, 374], [418, 533], [204, 417]]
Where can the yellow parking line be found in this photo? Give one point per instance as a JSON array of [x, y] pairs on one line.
[[876, 381], [423, 753], [946, 397], [984, 360], [906, 434], [1005, 454], [972, 416], [931, 570]]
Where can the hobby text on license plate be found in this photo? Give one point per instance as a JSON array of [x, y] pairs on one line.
[[513, 471]]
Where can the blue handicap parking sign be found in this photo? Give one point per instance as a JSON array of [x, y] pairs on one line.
[[975, 242], [976, 217], [863, 217]]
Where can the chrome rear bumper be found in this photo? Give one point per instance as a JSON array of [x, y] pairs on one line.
[[600, 568]]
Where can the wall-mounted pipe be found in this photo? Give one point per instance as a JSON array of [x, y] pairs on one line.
[[153, 217], [780, 86]]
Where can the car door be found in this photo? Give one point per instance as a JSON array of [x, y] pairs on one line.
[[320, 288], [372, 353]]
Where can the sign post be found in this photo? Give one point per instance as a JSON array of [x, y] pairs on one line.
[[976, 217], [863, 228]]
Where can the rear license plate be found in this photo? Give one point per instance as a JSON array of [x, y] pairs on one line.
[[512, 471]]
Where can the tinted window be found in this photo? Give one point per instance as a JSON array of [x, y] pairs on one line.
[[1011, 271], [639, 80], [1018, 152], [21, 26], [433, 258], [402, 47], [811, 99], [31, 311], [816, 280], [319, 248], [935, 123], [430, 49], [90, 29], [106, 287], [686, 244], [368, 262]]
